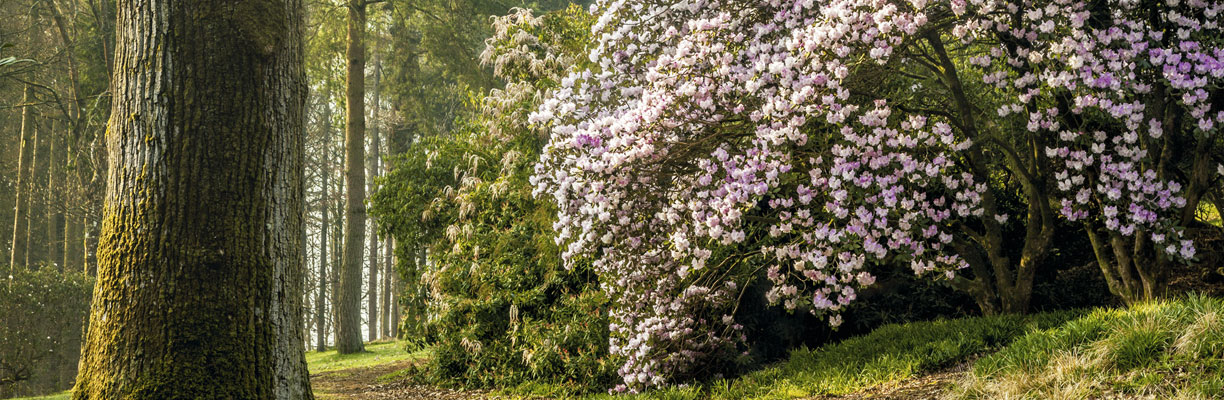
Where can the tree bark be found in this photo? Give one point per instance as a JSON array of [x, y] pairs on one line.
[[348, 330], [21, 206], [200, 279]]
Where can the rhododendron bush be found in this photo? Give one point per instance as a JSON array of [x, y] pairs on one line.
[[819, 139]]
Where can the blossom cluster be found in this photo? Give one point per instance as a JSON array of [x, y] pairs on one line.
[[1123, 81], [704, 124]]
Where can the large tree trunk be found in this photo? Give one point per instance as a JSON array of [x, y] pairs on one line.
[[348, 330], [21, 203], [200, 279]]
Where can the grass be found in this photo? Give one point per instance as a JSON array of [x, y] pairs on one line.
[[1168, 349], [376, 353], [65, 395], [889, 354]]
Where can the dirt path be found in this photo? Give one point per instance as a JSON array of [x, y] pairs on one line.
[[362, 384]]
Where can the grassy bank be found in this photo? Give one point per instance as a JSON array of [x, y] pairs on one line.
[[1169, 349]]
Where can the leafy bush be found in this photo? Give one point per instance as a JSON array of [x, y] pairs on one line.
[[494, 301], [42, 318]]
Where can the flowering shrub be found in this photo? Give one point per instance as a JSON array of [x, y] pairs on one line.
[[820, 137]]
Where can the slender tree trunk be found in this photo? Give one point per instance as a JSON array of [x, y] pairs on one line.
[[36, 215], [385, 315], [55, 202], [372, 167], [349, 328], [21, 206], [200, 279], [324, 226], [337, 243], [93, 230], [392, 292], [74, 244]]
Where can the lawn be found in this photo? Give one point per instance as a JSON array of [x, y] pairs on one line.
[[376, 353]]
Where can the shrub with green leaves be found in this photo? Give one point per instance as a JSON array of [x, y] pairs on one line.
[[494, 301], [42, 318]]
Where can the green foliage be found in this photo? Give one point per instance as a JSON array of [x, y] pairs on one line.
[[43, 313], [494, 301], [1169, 349]]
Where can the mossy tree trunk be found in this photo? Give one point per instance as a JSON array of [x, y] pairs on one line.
[[348, 327], [200, 279]]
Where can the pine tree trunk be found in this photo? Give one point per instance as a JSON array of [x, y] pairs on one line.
[[372, 168], [200, 279], [324, 226], [348, 330], [21, 206], [388, 273], [337, 256]]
